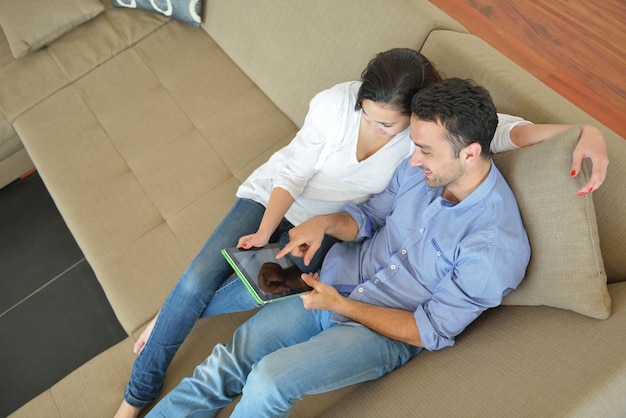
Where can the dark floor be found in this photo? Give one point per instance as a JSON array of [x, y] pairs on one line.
[[53, 313]]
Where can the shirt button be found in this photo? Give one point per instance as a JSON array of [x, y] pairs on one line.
[[393, 267], [421, 230], [438, 253], [375, 281], [403, 252], [361, 289]]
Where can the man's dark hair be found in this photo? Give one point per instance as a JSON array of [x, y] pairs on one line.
[[465, 109]]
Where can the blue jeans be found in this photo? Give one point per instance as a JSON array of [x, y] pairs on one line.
[[204, 289], [281, 354]]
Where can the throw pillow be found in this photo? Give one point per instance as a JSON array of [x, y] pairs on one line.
[[566, 268], [188, 11], [31, 24]]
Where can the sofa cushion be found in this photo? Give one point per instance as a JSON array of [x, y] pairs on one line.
[[29, 25], [566, 268], [188, 11], [610, 203]]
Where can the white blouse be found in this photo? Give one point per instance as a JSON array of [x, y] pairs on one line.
[[319, 166]]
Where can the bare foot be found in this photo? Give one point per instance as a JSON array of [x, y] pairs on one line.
[[127, 411], [141, 342]]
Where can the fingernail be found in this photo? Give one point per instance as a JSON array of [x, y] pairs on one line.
[[581, 193], [590, 190], [573, 173]]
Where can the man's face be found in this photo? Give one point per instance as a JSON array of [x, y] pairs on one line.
[[433, 154]]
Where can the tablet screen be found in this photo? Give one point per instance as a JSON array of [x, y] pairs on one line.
[[267, 278]]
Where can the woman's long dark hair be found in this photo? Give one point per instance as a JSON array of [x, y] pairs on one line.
[[394, 77]]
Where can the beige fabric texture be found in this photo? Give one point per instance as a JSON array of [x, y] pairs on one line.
[[29, 25], [14, 166], [14, 160], [566, 268], [27, 81], [611, 213], [327, 41]]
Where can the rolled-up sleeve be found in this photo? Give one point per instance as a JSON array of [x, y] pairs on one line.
[[477, 283]]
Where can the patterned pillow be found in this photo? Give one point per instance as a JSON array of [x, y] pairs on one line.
[[566, 269], [188, 11]]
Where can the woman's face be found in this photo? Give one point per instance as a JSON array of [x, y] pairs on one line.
[[383, 120]]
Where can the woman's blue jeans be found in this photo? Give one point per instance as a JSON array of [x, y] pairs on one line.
[[204, 289], [281, 354]]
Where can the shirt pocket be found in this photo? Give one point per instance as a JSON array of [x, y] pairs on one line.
[[442, 259]]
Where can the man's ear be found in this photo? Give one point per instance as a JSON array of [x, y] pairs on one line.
[[472, 152]]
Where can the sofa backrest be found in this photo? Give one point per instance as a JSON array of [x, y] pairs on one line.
[[291, 53]]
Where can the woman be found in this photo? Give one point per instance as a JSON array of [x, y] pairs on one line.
[[353, 137]]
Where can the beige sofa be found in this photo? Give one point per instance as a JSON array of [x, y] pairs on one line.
[[143, 127]]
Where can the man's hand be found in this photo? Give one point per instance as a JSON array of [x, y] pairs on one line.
[[391, 322], [322, 297], [305, 239]]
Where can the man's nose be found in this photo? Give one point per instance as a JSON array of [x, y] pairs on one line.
[[416, 158]]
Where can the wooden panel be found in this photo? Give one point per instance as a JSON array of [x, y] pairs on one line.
[[577, 47]]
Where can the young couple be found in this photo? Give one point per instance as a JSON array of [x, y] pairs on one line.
[[355, 137]]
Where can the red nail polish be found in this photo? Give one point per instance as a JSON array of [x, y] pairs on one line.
[[573, 173], [581, 193], [590, 190]]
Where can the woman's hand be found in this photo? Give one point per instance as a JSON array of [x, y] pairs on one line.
[[591, 145], [258, 239]]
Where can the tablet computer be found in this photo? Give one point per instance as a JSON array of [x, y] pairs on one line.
[[265, 277]]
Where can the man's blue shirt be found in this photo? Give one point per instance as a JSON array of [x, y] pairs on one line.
[[445, 262]]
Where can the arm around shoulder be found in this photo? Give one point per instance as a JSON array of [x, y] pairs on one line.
[[591, 144]]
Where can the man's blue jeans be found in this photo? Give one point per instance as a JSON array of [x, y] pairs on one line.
[[282, 353], [204, 289]]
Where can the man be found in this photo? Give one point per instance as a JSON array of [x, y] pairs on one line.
[[419, 262]]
